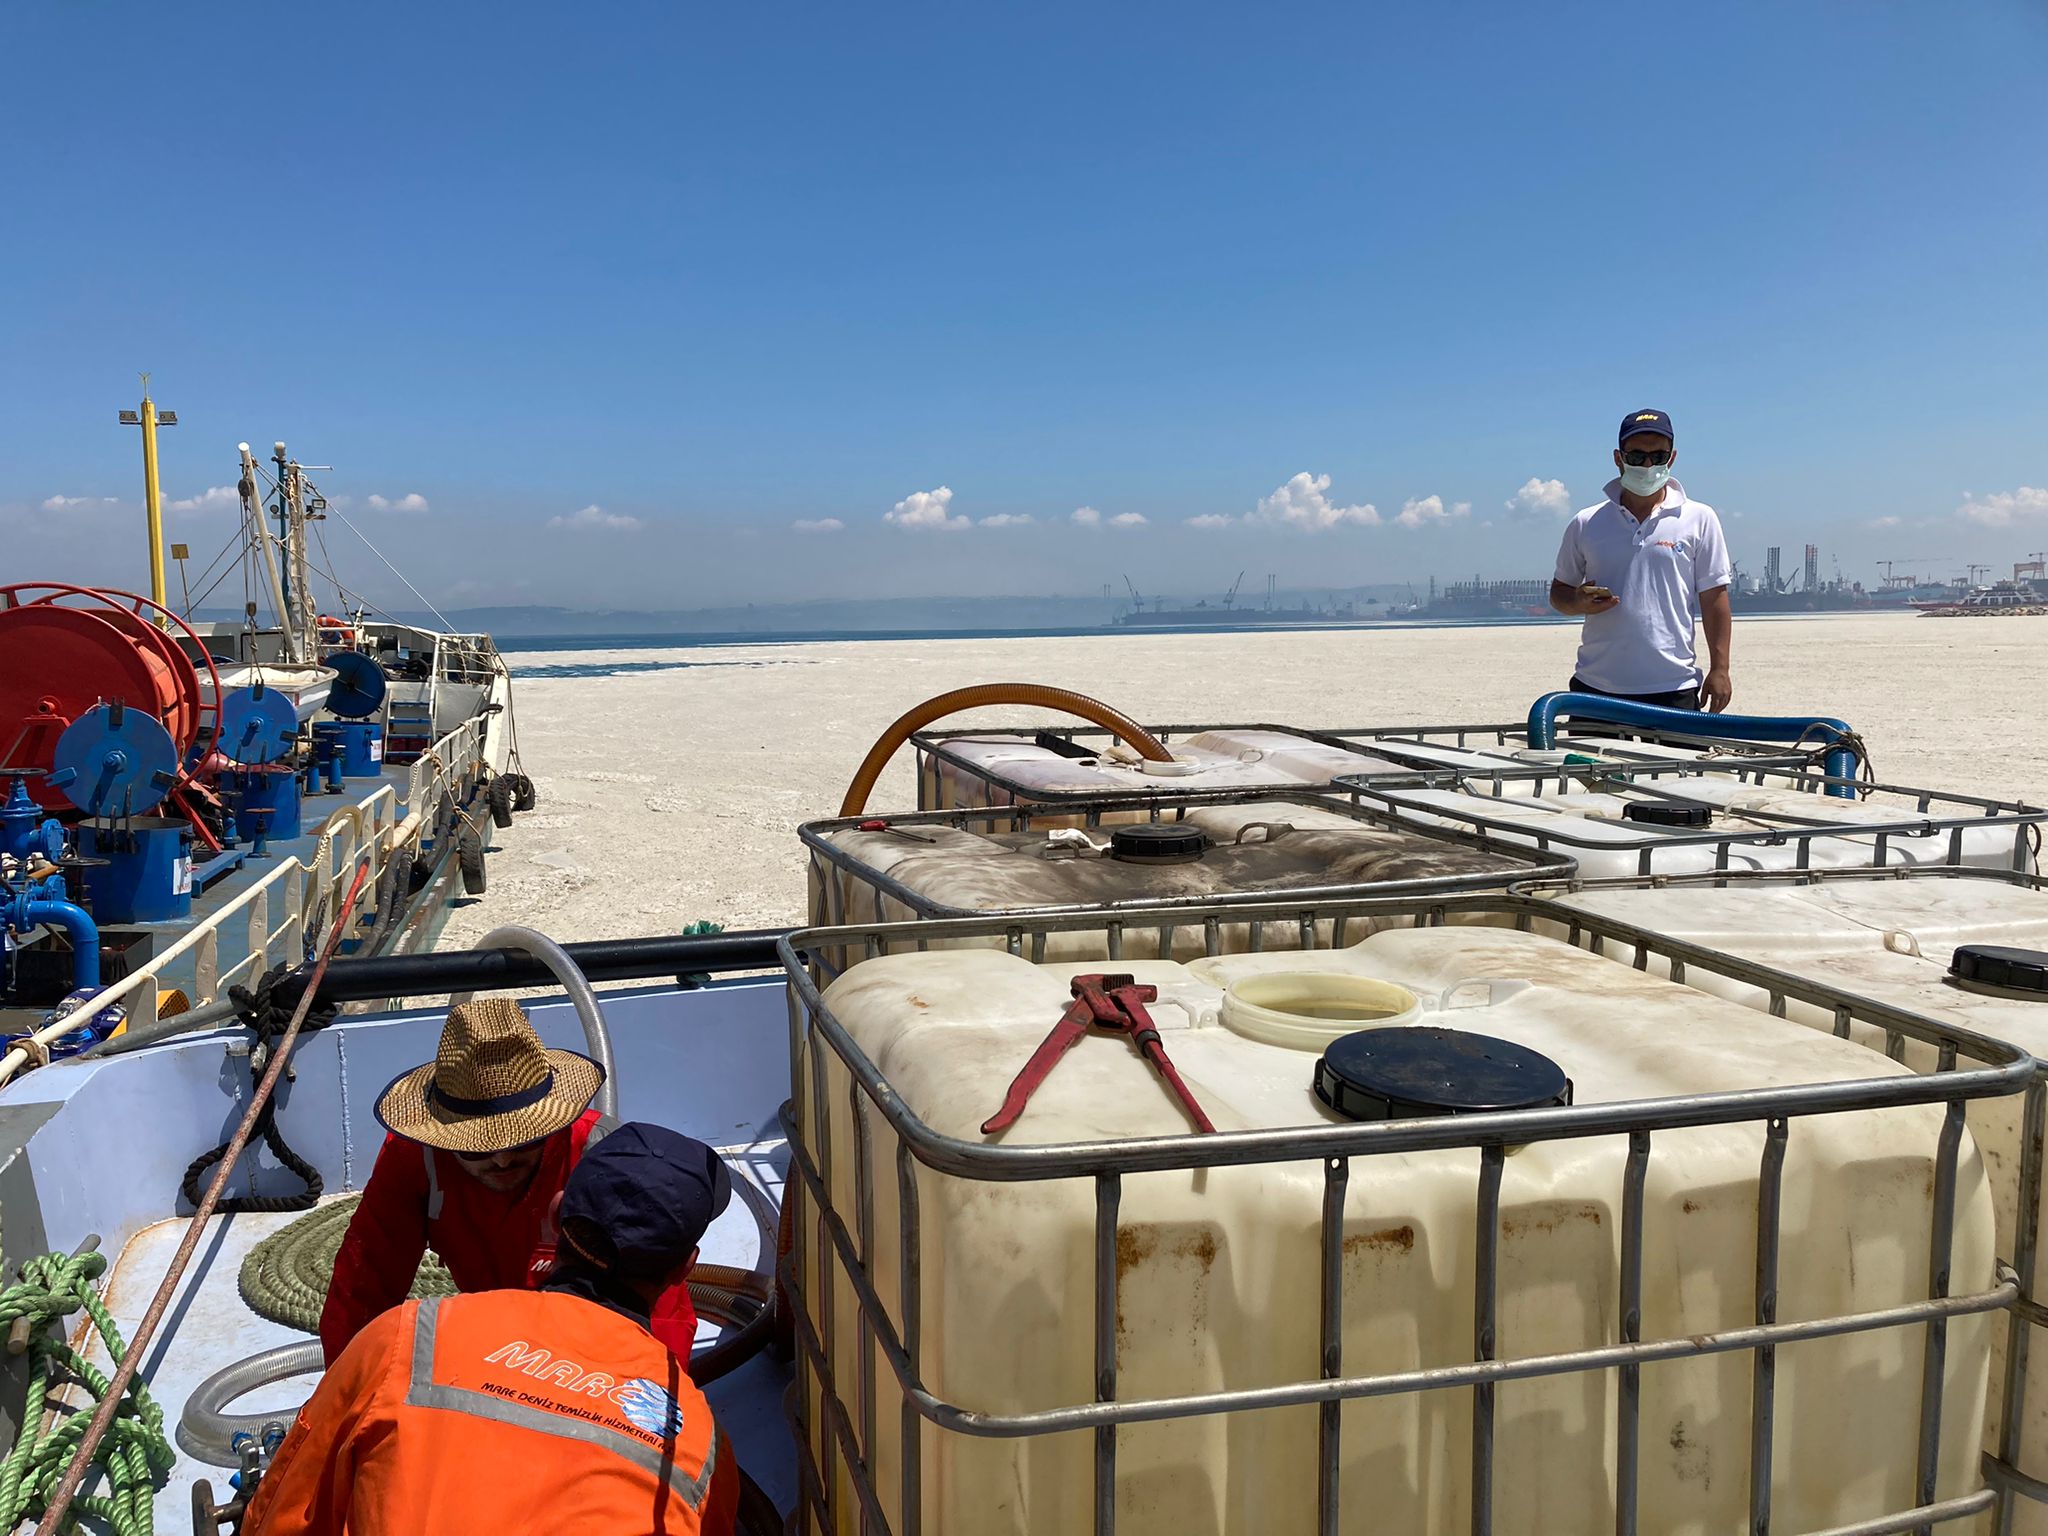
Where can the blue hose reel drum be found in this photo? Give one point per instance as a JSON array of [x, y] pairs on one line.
[[258, 726], [114, 761], [358, 689]]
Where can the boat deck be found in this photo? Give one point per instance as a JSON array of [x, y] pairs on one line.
[[236, 872], [209, 1325]]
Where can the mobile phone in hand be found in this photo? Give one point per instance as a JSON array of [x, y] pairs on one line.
[[1598, 593]]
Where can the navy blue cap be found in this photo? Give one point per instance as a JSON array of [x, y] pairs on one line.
[[641, 1199], [1636, 423]]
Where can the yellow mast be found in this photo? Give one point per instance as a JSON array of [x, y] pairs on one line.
[[152, 496]]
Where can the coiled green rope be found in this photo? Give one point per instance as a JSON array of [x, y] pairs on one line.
[[286, 1276], [135, 1454]]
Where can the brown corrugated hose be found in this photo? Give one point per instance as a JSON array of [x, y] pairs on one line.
[[980, 696]]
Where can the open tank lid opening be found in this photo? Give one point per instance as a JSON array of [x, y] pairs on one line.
[[1427, 1071]]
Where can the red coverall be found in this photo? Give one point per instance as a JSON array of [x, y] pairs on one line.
[[490, 1241], [505, 1413]]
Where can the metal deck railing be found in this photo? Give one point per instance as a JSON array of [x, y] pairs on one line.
[[837, 1443], [280, 912]]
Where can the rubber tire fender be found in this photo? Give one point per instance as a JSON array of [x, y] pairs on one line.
[[469, 854], [524, 796], [501, 796]]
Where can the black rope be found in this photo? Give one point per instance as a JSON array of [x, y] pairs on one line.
[[267, 1019]]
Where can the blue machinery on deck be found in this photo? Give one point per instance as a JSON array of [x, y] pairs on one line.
[[1841, 743]]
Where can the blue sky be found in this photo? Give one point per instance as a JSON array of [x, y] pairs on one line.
[[715, 274]]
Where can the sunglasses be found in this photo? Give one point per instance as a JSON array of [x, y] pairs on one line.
[[485, 1157], [1638, 458]]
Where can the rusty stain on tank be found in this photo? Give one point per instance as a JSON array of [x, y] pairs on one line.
[[1385, 1239]]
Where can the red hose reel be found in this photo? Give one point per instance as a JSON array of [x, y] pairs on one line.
[[64, 649]]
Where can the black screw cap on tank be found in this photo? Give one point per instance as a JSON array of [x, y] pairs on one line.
[[1669, 813], [1158, 842], [1423, 1072], [2000, 965]]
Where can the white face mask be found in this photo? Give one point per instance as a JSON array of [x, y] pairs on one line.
[[1645, 479]]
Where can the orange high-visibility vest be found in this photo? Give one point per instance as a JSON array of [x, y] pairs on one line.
[[502, 1413]]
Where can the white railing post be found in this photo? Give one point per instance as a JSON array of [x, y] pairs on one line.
[[206, 967], [293, 931], [259, 930]]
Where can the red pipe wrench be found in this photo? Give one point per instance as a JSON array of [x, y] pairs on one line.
[[1100, 1002]]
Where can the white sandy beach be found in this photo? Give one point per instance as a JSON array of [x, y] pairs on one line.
[[673, 795]]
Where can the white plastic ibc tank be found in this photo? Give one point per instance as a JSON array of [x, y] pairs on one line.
[[1894, 941], [1248, 849], [1596, 827], [1217, 761], [1001, 769], [1218, 1271]]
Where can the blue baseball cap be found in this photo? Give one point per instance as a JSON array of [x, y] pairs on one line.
[[1636, 423], [640, 1200]]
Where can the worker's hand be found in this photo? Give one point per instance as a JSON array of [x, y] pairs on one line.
[[1717, 690], [1594, 598]]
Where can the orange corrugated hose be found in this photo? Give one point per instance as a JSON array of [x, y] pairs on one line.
[[1065, 700]]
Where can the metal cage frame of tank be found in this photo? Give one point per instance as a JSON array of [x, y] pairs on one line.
[[933, 744], [835, 1447], [817, 838], [2025, 820], [2029, 1311]]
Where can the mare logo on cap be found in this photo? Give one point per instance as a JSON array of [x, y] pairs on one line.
[[1647, 416], [649, 1407]]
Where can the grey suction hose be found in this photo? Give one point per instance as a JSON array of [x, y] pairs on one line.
[[577, 985], [191, 1021]]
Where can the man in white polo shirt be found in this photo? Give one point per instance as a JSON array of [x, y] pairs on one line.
[[1637, 568]]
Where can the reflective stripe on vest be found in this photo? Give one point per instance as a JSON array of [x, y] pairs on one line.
[[425, 1392]]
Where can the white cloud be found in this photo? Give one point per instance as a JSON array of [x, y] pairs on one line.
[[1886, 522], [594, 519], [1208, 520], [1541, 498], [412, 501], [817, 525], [2002, 509], [927, 510], [66, 503], [1088, 517], [1430, 510], [215, 498], [1304, 503], [1008, 520]]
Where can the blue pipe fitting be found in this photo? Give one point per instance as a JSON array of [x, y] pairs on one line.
[[26, 912], [1841, 761], [24, 830]]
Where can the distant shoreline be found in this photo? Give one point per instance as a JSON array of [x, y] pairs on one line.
[[705, 639]]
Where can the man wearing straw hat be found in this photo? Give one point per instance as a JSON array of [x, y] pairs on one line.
[[483, 1138], [514, 1411]]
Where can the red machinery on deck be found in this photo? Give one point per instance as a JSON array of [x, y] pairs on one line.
[[64, 649]]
